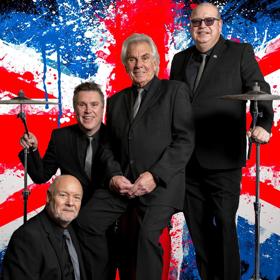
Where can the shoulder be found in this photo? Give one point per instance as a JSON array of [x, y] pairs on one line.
[[30, 231], [174, 85], [119, 95], [70, 129], [238, 46], [179, 57]]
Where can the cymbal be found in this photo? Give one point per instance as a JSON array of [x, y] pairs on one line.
[[25, 100], [252, 95]]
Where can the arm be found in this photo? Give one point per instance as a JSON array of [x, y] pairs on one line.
[[40, 170], [251, 73], [178, 152], [113, 173], [22, 260]]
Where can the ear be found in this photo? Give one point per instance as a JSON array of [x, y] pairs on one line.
[[220, 24], [49, 196], [126, 70]]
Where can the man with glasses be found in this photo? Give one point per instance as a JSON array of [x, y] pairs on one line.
[[212, 68]]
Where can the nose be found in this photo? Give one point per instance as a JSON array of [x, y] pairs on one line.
[[202, 24], [87, 108], [70, 201], [139, 63]]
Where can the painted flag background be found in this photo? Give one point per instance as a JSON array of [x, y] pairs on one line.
[[48, 47]]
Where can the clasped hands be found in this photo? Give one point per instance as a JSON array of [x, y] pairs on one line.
[[144, 184]]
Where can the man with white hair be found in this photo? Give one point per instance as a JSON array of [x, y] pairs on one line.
[[151, 136]]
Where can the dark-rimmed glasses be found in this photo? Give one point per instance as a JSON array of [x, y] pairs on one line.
[[209, 21]]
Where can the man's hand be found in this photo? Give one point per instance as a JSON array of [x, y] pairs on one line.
[[259, 135], [144, 184], [120, 184], [29, 141]]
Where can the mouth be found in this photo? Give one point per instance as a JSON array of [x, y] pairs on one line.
[[68, 210], [138, 73], [88, 118], [203, 32]]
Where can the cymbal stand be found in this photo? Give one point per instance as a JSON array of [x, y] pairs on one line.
[[257, 206], [25, 192]]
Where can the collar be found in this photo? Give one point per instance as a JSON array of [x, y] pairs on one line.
[[146, 87]]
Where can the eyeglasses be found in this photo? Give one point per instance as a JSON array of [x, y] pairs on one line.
[[209, 21]]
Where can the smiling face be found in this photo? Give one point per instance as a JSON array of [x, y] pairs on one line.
[[89, 108], [140, 63], [64, 200], [206, 37]]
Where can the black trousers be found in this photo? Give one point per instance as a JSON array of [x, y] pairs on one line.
[[212, 199], [101, 212]]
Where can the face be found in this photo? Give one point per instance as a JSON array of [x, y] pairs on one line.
[[140, 63], [89, 111], [205, 36], [64, 201]]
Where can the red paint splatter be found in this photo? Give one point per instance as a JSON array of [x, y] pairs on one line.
[[270, 62], [12, 208], [151, 17], [267, 192], [14, 82]]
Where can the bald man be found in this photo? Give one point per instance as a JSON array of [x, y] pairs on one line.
[[213, 174], [37, 250]]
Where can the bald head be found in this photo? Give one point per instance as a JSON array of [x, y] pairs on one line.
[[206, 26], [64, 199], [206, 6]]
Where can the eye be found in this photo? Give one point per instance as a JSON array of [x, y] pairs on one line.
[[145, 57], [62, 195], [131, 59], [196, 22], [81, 104], [78, 198]]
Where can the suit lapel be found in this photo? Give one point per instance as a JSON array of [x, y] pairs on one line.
[[150, 98], [211, 64], [53, 240], [128, 102], [75, 142]]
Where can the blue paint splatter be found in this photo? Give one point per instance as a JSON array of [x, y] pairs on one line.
[[255, 22], [65, 27], [269, 254]]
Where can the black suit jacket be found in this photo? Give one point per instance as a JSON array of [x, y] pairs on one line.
[[34, 253], [64, 152], [220, 125], [160, 139]]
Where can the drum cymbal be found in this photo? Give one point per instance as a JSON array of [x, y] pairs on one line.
[[25, 100], [252, 95]]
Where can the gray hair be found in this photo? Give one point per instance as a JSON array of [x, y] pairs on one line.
[[135, 38]]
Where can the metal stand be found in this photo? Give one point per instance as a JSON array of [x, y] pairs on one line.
[[257, 205], [25, 192], [21, 99]]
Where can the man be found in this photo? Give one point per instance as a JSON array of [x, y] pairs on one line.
[[68, 145], [213, 174], [37, 249], [152, 141]]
